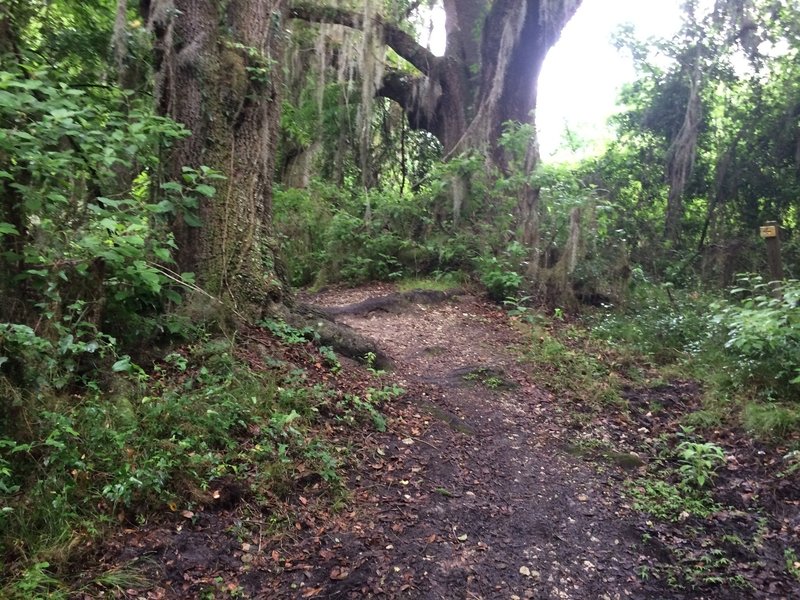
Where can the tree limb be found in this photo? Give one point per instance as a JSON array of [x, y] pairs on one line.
[[407, 91], [401, 42]]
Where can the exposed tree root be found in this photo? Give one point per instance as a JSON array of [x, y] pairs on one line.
[[344, 339], [392, 303]]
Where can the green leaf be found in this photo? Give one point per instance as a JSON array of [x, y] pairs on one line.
[[206, 190], [191, 220], [162, 254], [165, 206], [172, 186], [122, 365], [8, 229]]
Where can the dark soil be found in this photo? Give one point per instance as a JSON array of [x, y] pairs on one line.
[[475, 491]]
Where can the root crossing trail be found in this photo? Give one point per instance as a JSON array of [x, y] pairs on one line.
[[470, 493]]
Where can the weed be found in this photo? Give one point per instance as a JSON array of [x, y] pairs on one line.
[[792, 461], [331, 359], [371, 359], [771, 419], [487, 378], [792, 562], [289, 334], [440, 282], [699, 462], [669, 502]]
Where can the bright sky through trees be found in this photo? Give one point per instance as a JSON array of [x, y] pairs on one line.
[[583, 73]]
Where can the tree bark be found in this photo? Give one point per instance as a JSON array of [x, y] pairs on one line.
[[681, 156], [218, 69]]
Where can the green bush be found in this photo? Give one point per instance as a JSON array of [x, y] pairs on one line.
[[762, 336], [86, 244], [662, 322], [501, 274]]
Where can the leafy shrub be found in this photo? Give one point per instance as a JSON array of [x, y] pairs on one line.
[[301, 218], [501, 274], [85, 244], [699, 461], [762, 335], [665, 323]]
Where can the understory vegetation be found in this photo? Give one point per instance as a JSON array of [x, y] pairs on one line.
[[679, 389], [138, 383]]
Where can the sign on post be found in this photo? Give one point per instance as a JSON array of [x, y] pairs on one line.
[[770, 231]]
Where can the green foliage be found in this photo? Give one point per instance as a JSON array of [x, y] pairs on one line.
[[85, 241], [569, 364], [771, 420], [699, 462], [289, 334], [331, 359], [792, 562], [668, 501], [500, 281], [762, 336], [166, 441], [663, 322]]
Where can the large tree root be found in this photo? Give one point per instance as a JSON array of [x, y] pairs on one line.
[[392, 303], [344, 339]]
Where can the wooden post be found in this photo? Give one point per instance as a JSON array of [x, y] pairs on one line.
[[770, 231]]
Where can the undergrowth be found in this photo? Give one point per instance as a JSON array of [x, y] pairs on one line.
[[147, 444], [661, 338], [744, 349]]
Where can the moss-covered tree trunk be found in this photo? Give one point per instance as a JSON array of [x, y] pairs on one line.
[[218, 72]]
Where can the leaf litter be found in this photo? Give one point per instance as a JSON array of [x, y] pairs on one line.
[[472, 492]]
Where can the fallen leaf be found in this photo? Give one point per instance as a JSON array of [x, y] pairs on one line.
[[339, 573]]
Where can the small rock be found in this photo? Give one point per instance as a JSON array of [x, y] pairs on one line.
[[583, 498]]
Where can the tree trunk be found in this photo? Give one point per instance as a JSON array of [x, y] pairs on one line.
[[681, 155], [218, 69], [487, 75]]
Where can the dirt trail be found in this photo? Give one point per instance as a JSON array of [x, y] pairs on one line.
[[469, 495]]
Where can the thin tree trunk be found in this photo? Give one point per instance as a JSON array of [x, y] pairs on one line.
[[681, 157]]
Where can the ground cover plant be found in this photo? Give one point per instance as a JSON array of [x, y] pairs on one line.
[[667, 397], [209, 425]]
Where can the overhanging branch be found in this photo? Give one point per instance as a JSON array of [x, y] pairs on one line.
[[401, 42], [415, 96]]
